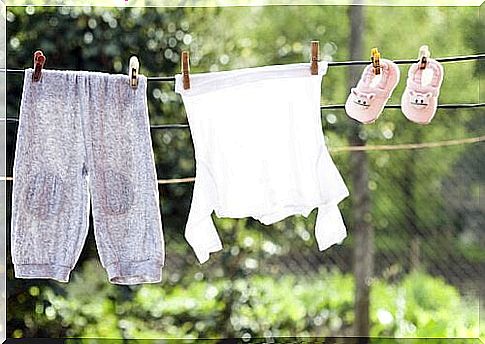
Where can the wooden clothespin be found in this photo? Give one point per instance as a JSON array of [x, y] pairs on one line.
[[185, 70], [39, 61], [424, 55], [375, 57], [315, 57], [133, 71]]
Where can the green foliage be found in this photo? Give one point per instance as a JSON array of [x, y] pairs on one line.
[[422, 306], [263, 306]]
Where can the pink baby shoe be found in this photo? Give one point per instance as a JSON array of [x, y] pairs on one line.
[[366, 101], [419, 102]]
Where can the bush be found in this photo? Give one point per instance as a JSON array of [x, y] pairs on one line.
[[258, 306]]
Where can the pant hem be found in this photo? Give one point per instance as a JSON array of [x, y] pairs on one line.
[[56, 272], [127, 273]]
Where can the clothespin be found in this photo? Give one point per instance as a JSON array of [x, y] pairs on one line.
[[315, 58], [39, 60], [424, 55], [375, 57], [133, 71], [185, 69]]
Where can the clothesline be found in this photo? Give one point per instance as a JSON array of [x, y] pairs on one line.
[[322, 107], [330, 63], [398, 106], [404, 146], [410, 61], [330, 107]]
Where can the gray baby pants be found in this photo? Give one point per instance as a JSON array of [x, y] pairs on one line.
[[82, 134]]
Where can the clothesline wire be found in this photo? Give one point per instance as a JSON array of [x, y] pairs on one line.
[[403, 146], [330, 64], [322, 107], [406, 146], [398, 106], [410, 61]]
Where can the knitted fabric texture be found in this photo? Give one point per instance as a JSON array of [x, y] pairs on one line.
[[85, 134]]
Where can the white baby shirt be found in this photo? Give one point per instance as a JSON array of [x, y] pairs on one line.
[[260, 152]]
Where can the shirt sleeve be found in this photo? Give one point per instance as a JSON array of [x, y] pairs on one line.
[[330, 227], [200, 232]]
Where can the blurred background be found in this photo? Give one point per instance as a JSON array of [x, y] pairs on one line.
[[413, 263]]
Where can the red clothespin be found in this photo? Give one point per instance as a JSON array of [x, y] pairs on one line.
[[424, 55], [315, 58], [39, 61], [185, 69], [375, 57]]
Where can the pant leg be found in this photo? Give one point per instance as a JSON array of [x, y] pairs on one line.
[[50, 197], [126, 212]]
